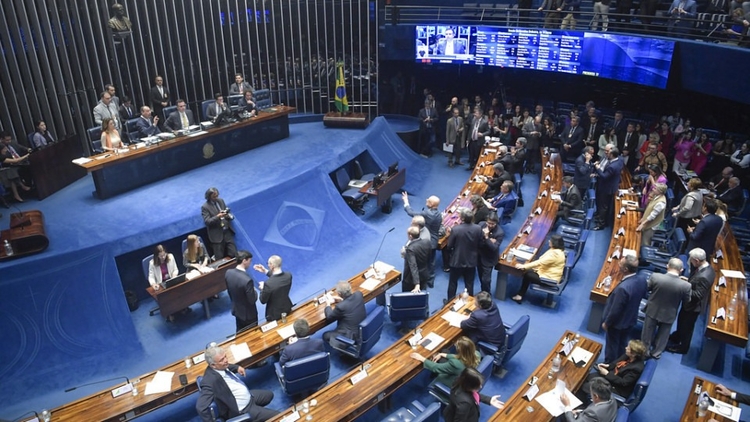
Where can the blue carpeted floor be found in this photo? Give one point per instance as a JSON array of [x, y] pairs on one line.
[[55, 305]]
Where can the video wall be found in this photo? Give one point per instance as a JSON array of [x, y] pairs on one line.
[[639, 60]]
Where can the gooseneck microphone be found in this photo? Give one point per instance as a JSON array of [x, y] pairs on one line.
[[67, 390], [381, 245]]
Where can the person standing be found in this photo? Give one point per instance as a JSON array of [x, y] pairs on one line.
[[416, 254], [218, 222], [584, 168], [428, 118], [489, 250], [608, 181], [667, 292], [700, 281], [707, 229], [241, 289], [106, 109], [621, 309], [159, 96], [479, 129], [274, 292], [239, 87], [455, 136], [433, 219], [463, 242]]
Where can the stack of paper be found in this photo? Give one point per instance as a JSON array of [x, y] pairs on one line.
[[161, 383], [454, 318]]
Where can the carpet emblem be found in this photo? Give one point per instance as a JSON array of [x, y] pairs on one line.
[[295, 226], [208, 150]]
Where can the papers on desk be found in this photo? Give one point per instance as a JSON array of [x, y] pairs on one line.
[[240, 351], [200, 132], [432, 341], [629, 252], [383, 268], [580, 356], [123, 150], [286, 332], [161, 383], [454, 318], [721, 313], [494, 144], [725, 409], [165, 135], [357, 184], [733, 274], [556, 197], [370, 284], [294, 416], [551, 400], [82, 160], [525, 252], [270, 326]]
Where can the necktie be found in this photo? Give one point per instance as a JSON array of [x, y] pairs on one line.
[[233, 376], [185, 122], [13, 152], [591, 131], [456, 120]]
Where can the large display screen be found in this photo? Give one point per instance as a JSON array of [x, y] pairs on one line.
[[640, 60]]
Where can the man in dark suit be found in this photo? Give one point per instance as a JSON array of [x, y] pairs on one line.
[[700, 280], [485, 323], [602, 408], [304, 345], [518, 154], [181, 119], [584, 168], [741, 398], [704, 234], [222, 385], [733, 196], [464, 241], [621, 310], [218, 107], [218, 222], [570, 198], [456, 136], [608, 181], [239, 87], [475, 138], [489, 250], [627, 143], [500, 176], [505, 201], [274, 292], [667, 292], [450, 45], [416, 254], [145, 125], [572, 140], [348, 312], [242, 291], [433, 219], [159, 95], [127, 111], [428, 118], [593, 131]]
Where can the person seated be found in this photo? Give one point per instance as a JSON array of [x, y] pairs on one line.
[[181, 119], [146, 125], [733, 196], [222, 385], [465, 398], [110, 135], [570, 198], [301, 345], [479, 208], [349, 311], [448, 366], [247, 104], [622, 373], [549, 266], [239, 87], [485, 323], [9, 171], [603, 407], [195, 257], [215, 109], [42, 137], [499, 177], [161, 268], [505, 200]]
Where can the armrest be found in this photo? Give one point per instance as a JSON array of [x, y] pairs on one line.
[[241, 418], [346, 340], [441, 388], [279, 372], [662, 254], [548, 282], [417, 405], [484, 346], [620, 399]]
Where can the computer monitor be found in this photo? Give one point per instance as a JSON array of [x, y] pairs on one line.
[[393, 169], [178, 279], [225, 117]]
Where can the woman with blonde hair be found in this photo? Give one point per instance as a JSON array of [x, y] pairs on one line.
[[110, 135], [195, 256], [448, 366]]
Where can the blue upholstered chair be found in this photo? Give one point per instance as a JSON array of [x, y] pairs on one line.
[[304, 376], [95, 139], [368, 335], [623, 414], [233, 101], [409, 306], [353, 197], [167, 111], [641, 387], [204, 109], [552, 287], [215, 410], [415, 413], [515, 335], [442, 392], [131, 129], [262, 99]]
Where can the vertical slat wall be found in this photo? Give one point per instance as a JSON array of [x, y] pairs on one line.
[[58, 55]]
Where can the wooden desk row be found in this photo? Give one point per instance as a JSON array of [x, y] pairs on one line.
[[102, 407], [611, 267], [690, 413], [517, 408], [540, 223], [388, 371]]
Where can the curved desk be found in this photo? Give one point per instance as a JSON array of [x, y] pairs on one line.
[[690, 413], [26, 235]]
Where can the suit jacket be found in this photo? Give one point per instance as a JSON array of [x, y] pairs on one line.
[[733, 198], [494, 183], [242, 293], [507, 204], [667, 292], [146, 128], [455, 135], [571, 200], [593, 135], [157, 98], [489, 251], [416, 264], [595, 412], [126, 115], [462, 407], [212, 110], [621, 309], [632, 144], [349, 313], [214, 224], [700, 281], [464, 243], [154, 272], [275, 295], [691, 7], [459, 46], [743, 398], [102, 112], [627, 376], [244, 105], [234, 89], [517, 160], [582, 176], [429, 125], [482, 130], [574, 137], [433, 219], [215, 389], [485, 325], [174, 121], [303, 347], [609, 179], [705, 234]]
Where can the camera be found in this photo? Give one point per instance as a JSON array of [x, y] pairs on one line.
[[229, 215]]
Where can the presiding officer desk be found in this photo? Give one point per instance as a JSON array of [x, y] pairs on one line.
[[114, 174], [386, 373], [517, 408], [690, 413], [611, 267], [102, 406], [538, 223]]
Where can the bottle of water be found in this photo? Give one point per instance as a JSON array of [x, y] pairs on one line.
[[465, 294], [8, 248], [702, 407], [607, 284], [556, 362], [732, 307]]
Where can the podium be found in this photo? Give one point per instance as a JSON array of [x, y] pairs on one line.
[[26, 235]]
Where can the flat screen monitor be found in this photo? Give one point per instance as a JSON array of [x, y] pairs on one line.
[[393, 169]]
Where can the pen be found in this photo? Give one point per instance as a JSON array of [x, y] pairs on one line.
[[509, 409]]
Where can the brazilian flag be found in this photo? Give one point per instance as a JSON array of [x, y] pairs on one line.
[[342, 105]]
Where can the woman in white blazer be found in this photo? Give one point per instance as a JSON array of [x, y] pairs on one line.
[[162, 267]]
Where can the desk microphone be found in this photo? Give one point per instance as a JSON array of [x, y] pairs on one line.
[[19, 219], [381, 245], [19, 417], [97, 382]]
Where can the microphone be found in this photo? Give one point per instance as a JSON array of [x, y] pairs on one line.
[[19, 219], [97, 382], [381, 245], [19, 417]]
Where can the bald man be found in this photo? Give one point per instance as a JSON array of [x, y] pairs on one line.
[[433, 219]]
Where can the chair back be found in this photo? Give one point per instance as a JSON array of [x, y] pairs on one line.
[[30, 138], [234, 101], [342, 179], [641, 387], [370, 330], [485, 367], [306, 374], [514, 338], [167, 111], [144, 265], [409, 306], [184, 244], [95, 138], [262, 98], [204, 108], [622, 414]]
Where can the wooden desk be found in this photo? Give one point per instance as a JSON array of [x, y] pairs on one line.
[[611, 267], [52, 166], [198, 289], [27, 238], [541, 223], [474, 186], [690, 413], [388, 371], [383, 193], [115, 174], [517, 407], [725, 331], [102, 407]]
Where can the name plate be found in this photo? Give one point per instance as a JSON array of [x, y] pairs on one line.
[[359, 377], [117, 392], [198, 359], [270, 326], [291, 418]]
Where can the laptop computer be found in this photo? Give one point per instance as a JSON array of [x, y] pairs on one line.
[[178, 279]]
